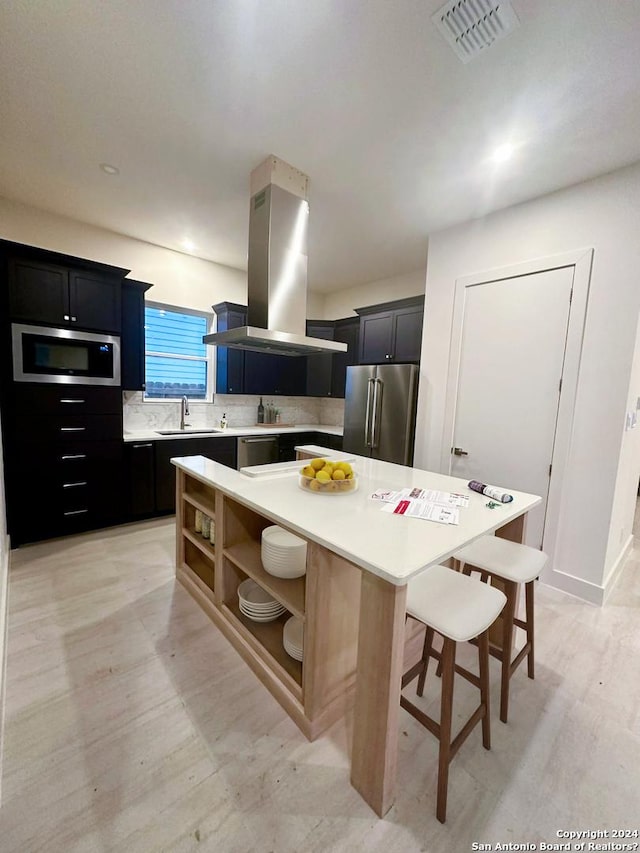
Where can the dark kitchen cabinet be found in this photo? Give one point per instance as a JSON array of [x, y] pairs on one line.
[[56, 295], [240, 372], [319, 367], [275, 375], [63, 459], [347, 331], [221, 450], [230, 362], [391, 331], [141, 478], [288, 442], [132, 342]]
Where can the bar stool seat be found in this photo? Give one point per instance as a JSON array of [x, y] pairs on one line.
[[513, 564], [459, 609]]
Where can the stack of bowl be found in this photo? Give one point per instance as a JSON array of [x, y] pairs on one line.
[[283, 554], [256, 603], [293, 637]]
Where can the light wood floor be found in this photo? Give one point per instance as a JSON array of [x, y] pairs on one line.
[[133, 726]]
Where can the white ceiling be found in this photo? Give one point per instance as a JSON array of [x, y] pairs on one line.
[[185, 97]]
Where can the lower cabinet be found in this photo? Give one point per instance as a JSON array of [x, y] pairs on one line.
[[221, 450], [141, 478]]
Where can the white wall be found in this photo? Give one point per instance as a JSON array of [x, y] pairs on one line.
[[626, 490], [4, 598], [341, 303], [178, 279], [603, 214]]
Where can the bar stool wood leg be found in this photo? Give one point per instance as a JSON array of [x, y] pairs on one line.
[[528, 592], [483, 664], [446, 713], [507, 616], [426, 654]]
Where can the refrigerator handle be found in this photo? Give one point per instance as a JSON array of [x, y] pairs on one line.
[[367, 415], [377, 403]]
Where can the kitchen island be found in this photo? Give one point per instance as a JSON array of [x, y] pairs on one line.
[[351, 601]]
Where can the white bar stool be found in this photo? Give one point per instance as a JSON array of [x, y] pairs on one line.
[[513, 564], [459, 609]]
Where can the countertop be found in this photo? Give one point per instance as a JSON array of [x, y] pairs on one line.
[[275, 429], [391, 546]]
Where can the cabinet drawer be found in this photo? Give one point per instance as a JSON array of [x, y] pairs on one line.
[[71, 462], [57, 428], [66, 399]]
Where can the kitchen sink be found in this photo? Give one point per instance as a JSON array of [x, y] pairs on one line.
[[190, 431]]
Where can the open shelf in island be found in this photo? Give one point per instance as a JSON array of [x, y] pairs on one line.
[[268, 638], [288, 591], [206, 507], [200, 542], [198, 561]]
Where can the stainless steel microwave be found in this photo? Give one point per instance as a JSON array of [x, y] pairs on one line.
[[66, 356]]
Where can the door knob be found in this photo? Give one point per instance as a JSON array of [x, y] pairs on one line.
[[458, 451]]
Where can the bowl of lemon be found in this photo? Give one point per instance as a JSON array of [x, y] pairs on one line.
[[328, 477]]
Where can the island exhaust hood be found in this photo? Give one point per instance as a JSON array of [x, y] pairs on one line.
[[277, 269]]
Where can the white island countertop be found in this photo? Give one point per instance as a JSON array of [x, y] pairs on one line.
[[394, 547], [270, 429]]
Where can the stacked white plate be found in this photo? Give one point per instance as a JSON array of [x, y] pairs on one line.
[[283, 554], [256, 603], [292, 637]]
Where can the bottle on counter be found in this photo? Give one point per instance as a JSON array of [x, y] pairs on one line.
[[260, 412], [223, 421]]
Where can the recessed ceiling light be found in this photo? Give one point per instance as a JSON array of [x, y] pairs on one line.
[[108, 169], [188, 245], [503, 153]]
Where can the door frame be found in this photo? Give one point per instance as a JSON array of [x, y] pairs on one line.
[[581, 260]]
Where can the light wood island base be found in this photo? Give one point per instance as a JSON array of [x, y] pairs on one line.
[[316, 692]]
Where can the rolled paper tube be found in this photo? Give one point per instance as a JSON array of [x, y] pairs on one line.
[[212, 532], [206, 526], [491, 491], [198, 521]]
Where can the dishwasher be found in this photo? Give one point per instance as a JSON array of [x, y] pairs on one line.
[[257, 450]]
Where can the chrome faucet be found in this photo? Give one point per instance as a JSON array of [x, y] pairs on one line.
[[184, 411]]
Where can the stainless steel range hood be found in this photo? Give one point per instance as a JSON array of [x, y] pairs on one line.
[[277, 269]]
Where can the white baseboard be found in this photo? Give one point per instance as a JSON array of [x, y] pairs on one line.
[[616, 569], [586, 590], [4, 602]]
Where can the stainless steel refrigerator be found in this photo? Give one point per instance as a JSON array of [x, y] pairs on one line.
[[380, 411]]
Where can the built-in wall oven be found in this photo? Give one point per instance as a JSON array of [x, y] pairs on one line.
[[67, 356]]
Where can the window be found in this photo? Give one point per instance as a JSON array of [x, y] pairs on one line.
[[176, 360]]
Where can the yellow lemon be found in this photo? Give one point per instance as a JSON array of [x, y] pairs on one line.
[[338, 474], [344, 466], [314, 485], [349, 475], [323, 476], [317, 464], [308, 471]]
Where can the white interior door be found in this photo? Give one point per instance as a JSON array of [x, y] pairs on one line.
[[512, 352]]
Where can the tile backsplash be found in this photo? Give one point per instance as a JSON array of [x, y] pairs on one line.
[[241, 410]]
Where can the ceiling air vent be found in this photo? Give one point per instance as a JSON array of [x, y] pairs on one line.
[[470, 26]]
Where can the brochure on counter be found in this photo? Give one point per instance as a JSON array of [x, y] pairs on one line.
[[429, 504]]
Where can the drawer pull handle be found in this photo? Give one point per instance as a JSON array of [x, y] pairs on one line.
[[72, 429], [74, 456], [76, 512], [68, 400], [71, 485], [66, 317], [143, 445]]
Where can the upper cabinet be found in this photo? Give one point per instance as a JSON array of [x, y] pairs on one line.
[[229, 362], [132, 341], [319, 367], [391, 332], [347, 331], [49, 289]]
